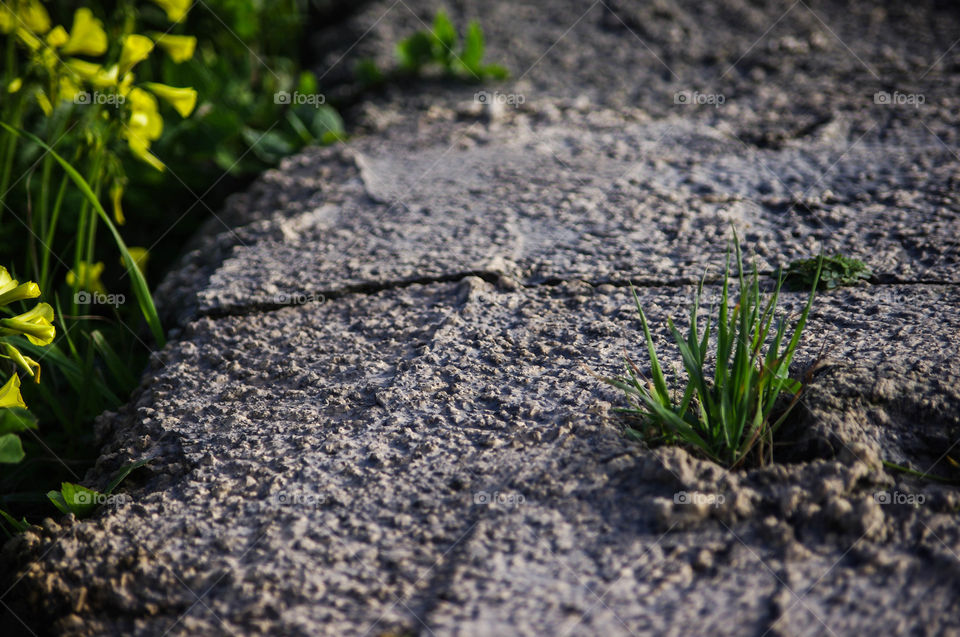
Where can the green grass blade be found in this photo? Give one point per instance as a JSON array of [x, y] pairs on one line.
[[659, 382], [138, 283], [802, 322], [122, 475], [118, 369], [693, 367]]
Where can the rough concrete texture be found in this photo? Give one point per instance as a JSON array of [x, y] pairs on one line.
[[378, 413]]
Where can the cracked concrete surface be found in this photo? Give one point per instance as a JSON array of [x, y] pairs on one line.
[[377, 416]]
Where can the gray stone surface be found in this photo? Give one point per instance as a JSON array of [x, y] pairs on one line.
[[642, 201], [379, 416]]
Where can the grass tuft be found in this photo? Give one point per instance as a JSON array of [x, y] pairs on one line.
[[731, 414]]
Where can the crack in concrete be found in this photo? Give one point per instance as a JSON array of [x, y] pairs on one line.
[[495, 278]]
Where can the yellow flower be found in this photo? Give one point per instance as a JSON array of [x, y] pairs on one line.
[[86, 70], [27, 364], [145, 120], [141, 256], [94, 74], [183, 100], [180, 48], [135, 49], [58, 37], [28, 290], [87, 36], [88, 278], [34, 17], [176, 9], [12, 290], [141, 149], [35, 324], [15, 85], [125, 83], [10, 393], [144, 126]]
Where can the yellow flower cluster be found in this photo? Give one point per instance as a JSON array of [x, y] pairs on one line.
[[87, 276], [53, 48], [36, 325]]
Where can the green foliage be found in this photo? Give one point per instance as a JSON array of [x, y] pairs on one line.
[[137, 280], [76, 499], [81, 501], [14, 421], [18, 526], [182, 120], [441, 47], [244, 67], [732, 414], [837, 271]]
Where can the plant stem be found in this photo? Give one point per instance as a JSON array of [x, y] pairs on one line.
[[44, 219], [86, 222], [6, 151], [51, 230], [9, 152]]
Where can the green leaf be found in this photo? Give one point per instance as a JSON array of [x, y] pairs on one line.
[[57, 499], [11, 451], [445, 37], [81, 500], [18, 526], [76, 499], [659, 382], [15, 420], [473, 46], [836, 271], [308, 83], [296, 123], [327, 124], [270, 146], [415, 51]]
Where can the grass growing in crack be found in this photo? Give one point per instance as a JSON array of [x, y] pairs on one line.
[[729, 416], [836, 271]]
